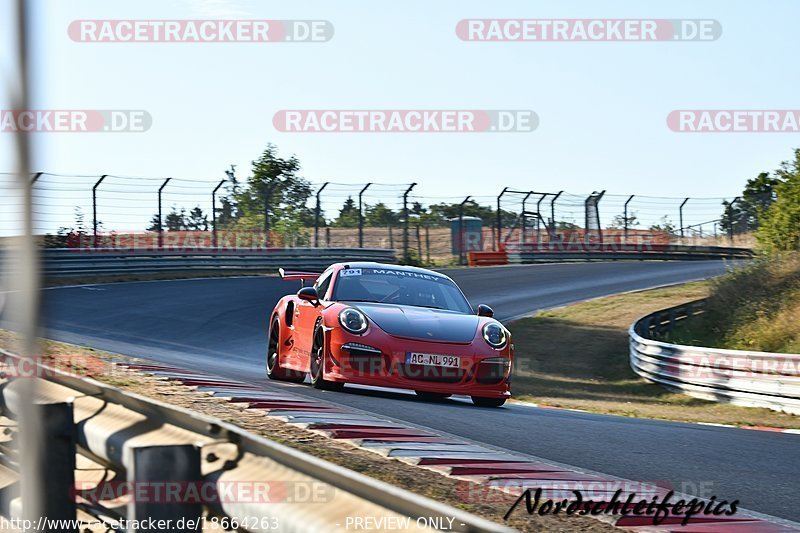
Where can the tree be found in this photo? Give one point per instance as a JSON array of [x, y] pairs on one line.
[[745, 214], [380, 215], [155, 223], [197, 220], [780, 222], [175, 220], [618, 221], [229, 211], [666, 225], [275, 179], [348, 214]]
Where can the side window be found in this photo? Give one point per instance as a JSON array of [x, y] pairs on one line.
[[323, 284]]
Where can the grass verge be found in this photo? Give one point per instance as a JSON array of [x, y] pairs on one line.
[[576, 357]]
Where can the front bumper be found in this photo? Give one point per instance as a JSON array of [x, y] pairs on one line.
[[380, 360]]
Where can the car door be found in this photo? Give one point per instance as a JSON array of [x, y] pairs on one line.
[[306, 314]]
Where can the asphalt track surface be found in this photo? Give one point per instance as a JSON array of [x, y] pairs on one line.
[[219, 326]]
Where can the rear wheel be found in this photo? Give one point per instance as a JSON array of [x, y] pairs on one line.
[[274, 369], [432, 396], [318, 363], [488, 402]]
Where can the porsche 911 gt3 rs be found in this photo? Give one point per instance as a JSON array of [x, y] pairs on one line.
[[389, 326]]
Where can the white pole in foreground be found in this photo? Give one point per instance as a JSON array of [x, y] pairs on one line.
[[24, 300]]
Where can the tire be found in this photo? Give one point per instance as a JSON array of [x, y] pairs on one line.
[[317, 363], [488, 402], [273, 367], [432, 396]]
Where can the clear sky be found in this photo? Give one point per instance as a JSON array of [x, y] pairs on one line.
[[602, 105]]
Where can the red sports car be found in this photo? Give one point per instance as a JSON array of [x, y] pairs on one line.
[[389, 326]]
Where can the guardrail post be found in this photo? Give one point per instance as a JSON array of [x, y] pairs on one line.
[[160, 219], [214, 212], [94, 209], [150, 468], [680, 215], [316, 216], [48, 467], [499, 219], [361, 216], [625, 216], [406, 257]]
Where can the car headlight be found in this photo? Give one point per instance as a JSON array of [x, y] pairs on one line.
[[353, 320], [495, 335]]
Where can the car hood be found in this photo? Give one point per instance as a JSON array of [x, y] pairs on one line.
[[421, 322]]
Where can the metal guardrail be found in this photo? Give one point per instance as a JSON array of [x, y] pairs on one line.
[[750, 379], [141, 441], [519, 254], [61, 262]]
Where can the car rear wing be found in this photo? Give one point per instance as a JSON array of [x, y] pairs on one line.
[[298, 274]]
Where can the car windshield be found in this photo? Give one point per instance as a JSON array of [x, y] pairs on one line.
[[400, 287]]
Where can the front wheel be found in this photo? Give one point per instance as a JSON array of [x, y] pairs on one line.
[[274, 368], [318, 363], [488, 402]]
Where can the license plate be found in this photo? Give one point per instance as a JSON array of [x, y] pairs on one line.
[[447, 361]]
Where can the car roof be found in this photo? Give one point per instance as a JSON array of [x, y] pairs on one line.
[[405, 268]]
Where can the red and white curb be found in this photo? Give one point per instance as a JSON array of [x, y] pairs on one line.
[[471, 462]]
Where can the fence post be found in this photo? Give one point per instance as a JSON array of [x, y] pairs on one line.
[[594, 199], [730, 219], [156, 464], [625, 216], [214, 212], [267, 197], [680, 215], [553, 216], [50, 470], [419, 244], [428, 242], [406, 257], [539, 218], [316, 215], [160, 219], [524, 217], [361, 217], [94, 209], [499, 220], [461, 230]]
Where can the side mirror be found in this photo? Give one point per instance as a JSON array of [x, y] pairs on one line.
[[309, 294], [485, 310]]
